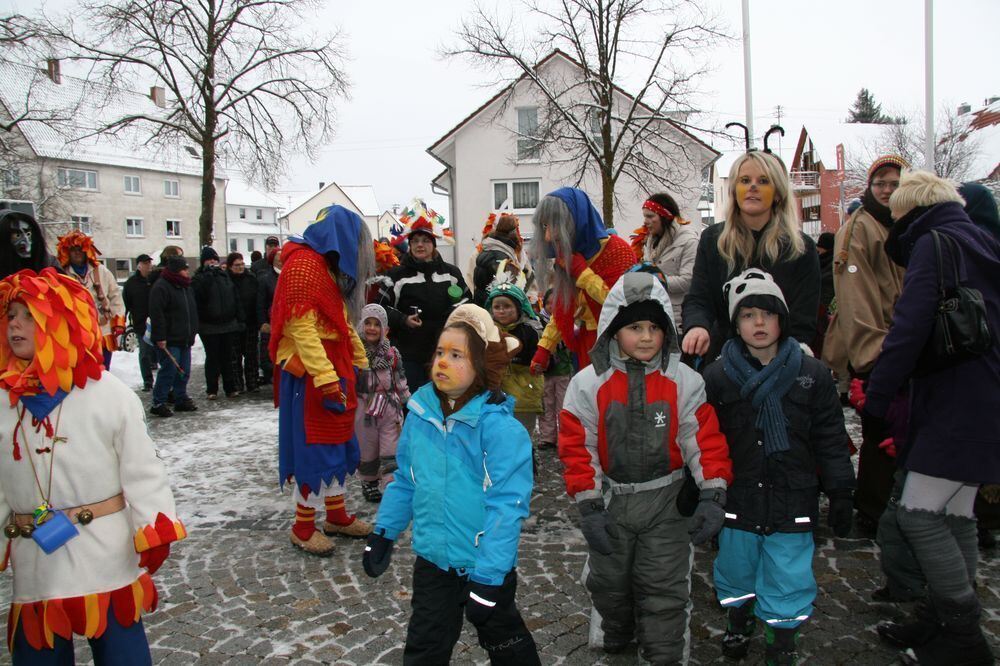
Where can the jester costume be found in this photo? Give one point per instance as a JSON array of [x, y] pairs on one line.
[[599, 259], [316, 354], [101, 284], [75, 441]]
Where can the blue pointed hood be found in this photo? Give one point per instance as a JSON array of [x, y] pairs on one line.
[[336, 229], [589, 227]]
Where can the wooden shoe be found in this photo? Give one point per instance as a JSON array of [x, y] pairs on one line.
[[357, 529], [317, 544]]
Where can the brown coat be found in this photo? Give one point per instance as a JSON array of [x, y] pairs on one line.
[[674, 255], [867, 284]]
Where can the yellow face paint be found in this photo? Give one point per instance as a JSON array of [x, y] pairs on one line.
[[763, 191]]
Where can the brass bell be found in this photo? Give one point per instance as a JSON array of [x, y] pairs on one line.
[[85, 516], [26, 530], [11, 531]]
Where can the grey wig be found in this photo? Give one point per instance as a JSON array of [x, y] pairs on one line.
[[353, 291], [553, 214]]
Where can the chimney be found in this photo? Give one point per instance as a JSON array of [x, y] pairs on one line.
[[321, 184], [964, 108], [52, 67], [159, 96]]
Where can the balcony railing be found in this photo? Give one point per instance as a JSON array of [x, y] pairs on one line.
[[805, 180]]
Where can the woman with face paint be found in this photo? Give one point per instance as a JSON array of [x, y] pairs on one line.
[[762, 231]]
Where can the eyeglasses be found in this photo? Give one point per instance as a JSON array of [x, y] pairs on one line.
[[885, 184]]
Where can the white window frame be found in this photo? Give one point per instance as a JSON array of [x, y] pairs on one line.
[[80, 220], [250, 245], [128, 178], [232, 244], [141, 224], [260, 214], [178, 223], [171, 184], [11, 177], [509, 182], [63, 179], [523, 145], [243, 213]]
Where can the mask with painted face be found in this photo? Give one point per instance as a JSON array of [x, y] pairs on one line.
[[21, 239]]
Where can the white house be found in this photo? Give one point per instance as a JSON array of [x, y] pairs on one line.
[[130, 197], [485, 166], [251, 216], [385, 222], [361, 199]]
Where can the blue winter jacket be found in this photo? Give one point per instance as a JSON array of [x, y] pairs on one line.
[[465, 481]]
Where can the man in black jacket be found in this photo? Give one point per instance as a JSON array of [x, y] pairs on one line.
[[220, 317], [135, 293], [173, 319], [260, 266]]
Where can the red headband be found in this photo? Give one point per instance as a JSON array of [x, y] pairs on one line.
[[658, 209]]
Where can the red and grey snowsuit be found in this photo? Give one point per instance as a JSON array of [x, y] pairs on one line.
[[627, 430]]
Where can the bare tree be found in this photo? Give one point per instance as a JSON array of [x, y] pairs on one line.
[[242, 79], [588, 124]]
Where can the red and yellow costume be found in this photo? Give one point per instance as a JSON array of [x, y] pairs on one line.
[[101, 284], [80, 433]]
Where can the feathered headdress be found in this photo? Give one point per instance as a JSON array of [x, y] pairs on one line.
[[80, 240], [505, 284], [418, 217], [385, 258], [67, 336], [638, 241]]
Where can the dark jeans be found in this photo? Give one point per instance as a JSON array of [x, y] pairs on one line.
[[117, 646], [167, 377], [147, 358], [438, 608], [245, 360], [219, 361]]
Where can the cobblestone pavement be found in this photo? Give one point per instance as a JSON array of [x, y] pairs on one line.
[[236, 592]]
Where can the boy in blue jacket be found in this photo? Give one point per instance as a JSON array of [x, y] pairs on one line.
[[465, 481]]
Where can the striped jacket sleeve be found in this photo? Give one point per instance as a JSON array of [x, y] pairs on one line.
[[702, 444], [578, 437]]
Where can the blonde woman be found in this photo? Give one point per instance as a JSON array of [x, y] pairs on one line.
[[761, 230]]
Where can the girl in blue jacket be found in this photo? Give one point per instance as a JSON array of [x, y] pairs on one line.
[[465, 481]]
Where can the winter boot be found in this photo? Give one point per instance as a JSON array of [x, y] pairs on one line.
[[185, 404], [960, 642], [780, 650], [371, 492], [916, 631], [739, 631]]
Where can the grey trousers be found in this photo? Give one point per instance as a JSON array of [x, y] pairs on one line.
[[643, 588], [902, 572]]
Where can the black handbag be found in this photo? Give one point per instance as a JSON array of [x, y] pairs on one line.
[[961, 331]]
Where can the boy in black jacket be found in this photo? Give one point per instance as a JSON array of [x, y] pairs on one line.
[[782, 418]]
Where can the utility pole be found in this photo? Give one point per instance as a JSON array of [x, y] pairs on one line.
[[928, 85], [779, 111], [747, 86]]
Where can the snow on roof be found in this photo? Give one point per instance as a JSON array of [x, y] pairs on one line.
[[860, 140], [363, 197], [241, 193], [82, 108], [984, 128]]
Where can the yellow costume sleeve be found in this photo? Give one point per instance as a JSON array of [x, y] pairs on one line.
[[303, 332], [551, 336], [357, 346], [593, 284]]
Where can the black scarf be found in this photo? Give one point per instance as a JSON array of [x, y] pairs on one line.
[[875, 209], [894, 246]]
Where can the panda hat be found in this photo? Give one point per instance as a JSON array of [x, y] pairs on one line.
[[755, 288]]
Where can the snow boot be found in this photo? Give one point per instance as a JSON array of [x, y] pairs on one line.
[[780, 650], [916, 631], [960, 641], [739, 631], [371, 492]]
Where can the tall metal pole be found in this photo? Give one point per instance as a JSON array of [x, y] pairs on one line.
[[747, 86], [928, 84]]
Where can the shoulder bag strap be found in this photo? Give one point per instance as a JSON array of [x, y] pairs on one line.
[[940, 263]]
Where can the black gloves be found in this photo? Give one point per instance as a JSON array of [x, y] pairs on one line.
[[841, 513], [596, 525], [709, 515], [481, 602], [378, 552]]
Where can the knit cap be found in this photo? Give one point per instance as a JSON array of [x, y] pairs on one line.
[[754, 288], [207, 253], [375, 311], [640, 311], [884, 161]]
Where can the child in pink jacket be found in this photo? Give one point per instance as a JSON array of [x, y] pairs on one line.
[[382, 393]]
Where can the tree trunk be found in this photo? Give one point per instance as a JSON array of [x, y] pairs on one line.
[[207, 218], [608, 196]]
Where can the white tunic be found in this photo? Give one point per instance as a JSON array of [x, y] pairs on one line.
[[107, 451]]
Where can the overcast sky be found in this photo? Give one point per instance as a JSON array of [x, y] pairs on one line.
[[810, 57]]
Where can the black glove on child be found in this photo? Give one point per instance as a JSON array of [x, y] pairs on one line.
[[378, 552], [709, 515], [482, 599], [841, 514], [596, 525]]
